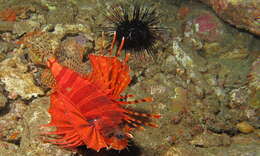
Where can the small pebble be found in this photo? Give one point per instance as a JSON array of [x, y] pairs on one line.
[[244, 127]]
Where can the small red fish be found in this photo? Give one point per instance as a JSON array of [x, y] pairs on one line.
[[88, 110]]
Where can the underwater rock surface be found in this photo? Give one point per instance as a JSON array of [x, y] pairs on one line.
[[204, 79], [17, 81], [32, 142], [242, 14]]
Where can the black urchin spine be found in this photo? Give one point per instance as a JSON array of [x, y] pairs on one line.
[[138, 25]]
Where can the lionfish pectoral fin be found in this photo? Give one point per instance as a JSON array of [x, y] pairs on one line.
[[117, 144], [157, 116], [60, 125], [147, 99], [69, 122], [57, 132], [96, 140], [87, 132], [73, 145], [66, 138], [137, 122]]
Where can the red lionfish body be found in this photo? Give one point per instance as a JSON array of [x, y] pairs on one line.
[[87, 110]]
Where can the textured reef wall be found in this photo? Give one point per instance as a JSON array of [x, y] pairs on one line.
[[242, 14], [204, 77]]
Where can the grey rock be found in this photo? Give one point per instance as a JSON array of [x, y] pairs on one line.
[[32, 143]]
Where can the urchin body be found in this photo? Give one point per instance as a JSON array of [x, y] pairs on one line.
[[137, 25]]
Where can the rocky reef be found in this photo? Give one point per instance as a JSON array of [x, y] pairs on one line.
[[204, 78], [242, 14]]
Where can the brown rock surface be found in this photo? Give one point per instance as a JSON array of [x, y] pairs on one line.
[[242, 14]]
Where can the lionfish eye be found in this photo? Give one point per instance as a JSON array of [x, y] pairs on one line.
[[92, 120], [120, 136]]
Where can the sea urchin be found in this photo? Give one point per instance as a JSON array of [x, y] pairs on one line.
[[137, 24]]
